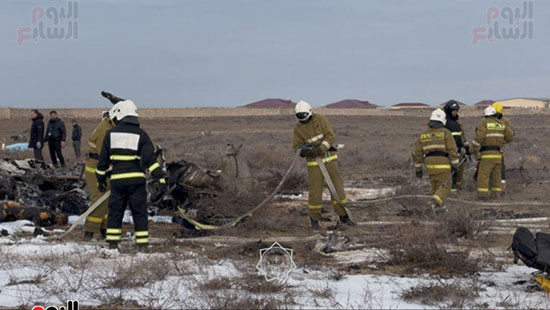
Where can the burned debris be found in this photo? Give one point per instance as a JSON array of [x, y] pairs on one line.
[[31, 190], [208, 195]]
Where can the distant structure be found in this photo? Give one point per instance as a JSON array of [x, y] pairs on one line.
[[526, 103], [271, 104], [484, 103], [410, 105], [351, 104]]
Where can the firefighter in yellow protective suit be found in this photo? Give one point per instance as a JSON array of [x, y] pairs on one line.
[[491, 135], [314, 136], [436, 148], [500, 116], [96, 222]]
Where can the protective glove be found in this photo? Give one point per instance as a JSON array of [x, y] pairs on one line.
[[157, 174], [306, 151], [39, 145], [467, 149], [468, 155], [419, 174], [101, 185]]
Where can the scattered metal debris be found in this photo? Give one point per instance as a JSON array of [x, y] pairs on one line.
[[32, 190]]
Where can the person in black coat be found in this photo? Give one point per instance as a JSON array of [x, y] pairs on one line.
[[76, 137], [36, 141], [451, 109], [56, 135]]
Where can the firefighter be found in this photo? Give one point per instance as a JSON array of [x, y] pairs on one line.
[[437, 149], [500, 115], [314, 136], [451, 109], [126, 147], [96, 222], [491, 135]]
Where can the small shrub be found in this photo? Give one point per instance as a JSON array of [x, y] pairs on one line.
[[297, 179], [217, 284], [420, 248], [258, 285], [455, 294], [460, 223]]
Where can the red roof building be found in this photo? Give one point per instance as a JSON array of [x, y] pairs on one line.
[[351, 104]]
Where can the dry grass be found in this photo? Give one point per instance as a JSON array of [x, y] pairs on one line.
[[257, 285], [419, 249], [454, 294], [376, 148], [217, 284], [460, 222], [229, 204]]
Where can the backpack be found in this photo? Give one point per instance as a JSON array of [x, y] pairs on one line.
[[533, 251]]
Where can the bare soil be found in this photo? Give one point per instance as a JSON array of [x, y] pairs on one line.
[[377, 153]]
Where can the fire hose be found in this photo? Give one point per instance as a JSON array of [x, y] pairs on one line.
[[201, 226], [83, 216]]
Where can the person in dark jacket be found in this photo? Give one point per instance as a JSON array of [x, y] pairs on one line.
[[36, 141], [126, 147], [451, 109], [76, 136], [56, 135]]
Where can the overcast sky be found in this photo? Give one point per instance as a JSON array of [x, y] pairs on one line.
[[230, 53]]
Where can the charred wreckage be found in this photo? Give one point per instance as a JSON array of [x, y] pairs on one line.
[[32, 190]]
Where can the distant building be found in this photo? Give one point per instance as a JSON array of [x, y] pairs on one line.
[[271, 104], [526, 103], [351, 104], [410, 105], [484, 103]]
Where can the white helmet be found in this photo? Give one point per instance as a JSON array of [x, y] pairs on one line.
[[123, 109], [302, 111], [112, 111], [439, 116], [489, 111]]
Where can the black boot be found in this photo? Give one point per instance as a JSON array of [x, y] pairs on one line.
[[315, 224], [103, 234], [88, 236], [113, 245], [344, 219]]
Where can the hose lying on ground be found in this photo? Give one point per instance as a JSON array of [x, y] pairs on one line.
[[201, 226], [519, 203]]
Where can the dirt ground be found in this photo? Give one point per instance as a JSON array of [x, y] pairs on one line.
[[377, 154]]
